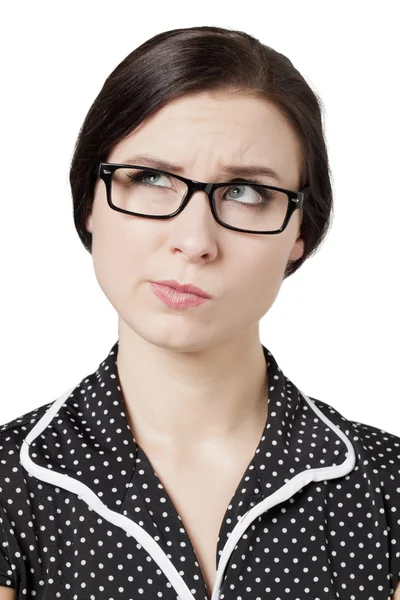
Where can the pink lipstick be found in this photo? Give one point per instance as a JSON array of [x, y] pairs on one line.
[[178, 299]]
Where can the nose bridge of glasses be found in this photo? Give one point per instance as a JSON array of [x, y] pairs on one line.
[[198, 186]]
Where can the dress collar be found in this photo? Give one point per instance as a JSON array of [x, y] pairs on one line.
[[86, 437]]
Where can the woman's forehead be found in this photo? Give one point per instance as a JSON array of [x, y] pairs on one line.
[[187, 143]]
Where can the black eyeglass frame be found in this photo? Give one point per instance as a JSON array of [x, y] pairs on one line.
[[105, 171]]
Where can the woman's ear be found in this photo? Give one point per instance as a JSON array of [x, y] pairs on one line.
[[89, 222], [297, 250], [298, 247]]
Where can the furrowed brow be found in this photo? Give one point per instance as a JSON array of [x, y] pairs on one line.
[[240, 170]]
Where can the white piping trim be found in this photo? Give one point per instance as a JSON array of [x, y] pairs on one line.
[[283, 493], [149, 544], [87, 495]]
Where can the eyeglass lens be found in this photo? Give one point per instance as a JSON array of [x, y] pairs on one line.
[[244, 206]]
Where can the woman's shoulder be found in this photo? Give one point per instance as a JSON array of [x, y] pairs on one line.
[[374, 484], [15, 498], [23, 423], [12, 435], [377, 448]]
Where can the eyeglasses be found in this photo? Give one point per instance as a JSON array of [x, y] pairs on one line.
[[239, 205]]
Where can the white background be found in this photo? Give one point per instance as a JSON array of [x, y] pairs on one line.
[[334, 327]]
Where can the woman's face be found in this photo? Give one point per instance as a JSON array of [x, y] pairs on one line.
[[242, 272]]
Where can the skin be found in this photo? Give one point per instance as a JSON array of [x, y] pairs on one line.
[[194, 380]]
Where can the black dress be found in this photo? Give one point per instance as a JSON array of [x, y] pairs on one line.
[[84, 516]]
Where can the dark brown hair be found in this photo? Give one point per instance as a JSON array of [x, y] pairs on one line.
[[187, 61]]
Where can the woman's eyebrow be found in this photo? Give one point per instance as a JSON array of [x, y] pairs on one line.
[[239, 170]]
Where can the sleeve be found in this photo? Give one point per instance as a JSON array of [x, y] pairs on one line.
[[390, 478], [6, 577]]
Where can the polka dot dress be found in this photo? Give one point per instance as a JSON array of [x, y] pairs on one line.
[[84, 516]]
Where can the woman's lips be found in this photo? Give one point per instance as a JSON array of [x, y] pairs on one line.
[[176, 299], [186, 288]]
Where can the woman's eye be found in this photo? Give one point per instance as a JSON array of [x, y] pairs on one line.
[[152, 177]]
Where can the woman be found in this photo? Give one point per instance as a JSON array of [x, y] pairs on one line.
[[188, 465]]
